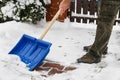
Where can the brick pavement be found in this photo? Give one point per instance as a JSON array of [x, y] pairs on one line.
[[51, 67]]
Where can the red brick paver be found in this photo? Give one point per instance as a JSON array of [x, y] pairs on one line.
[[52, 67]]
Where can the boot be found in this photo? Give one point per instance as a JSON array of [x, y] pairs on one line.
[[86, 48], [89, 58]]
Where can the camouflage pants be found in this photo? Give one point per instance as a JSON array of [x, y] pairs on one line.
[[107, 12]]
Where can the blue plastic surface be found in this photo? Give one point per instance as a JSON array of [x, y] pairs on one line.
[[31, 51]]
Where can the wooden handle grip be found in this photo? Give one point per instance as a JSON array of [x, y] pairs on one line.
[[50, 25]]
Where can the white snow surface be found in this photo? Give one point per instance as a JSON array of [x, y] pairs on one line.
[[67, 41]]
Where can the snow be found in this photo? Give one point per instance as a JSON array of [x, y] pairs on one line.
[[67, 41], [47, 1]]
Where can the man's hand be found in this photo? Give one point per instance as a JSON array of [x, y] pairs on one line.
[[64, 5]]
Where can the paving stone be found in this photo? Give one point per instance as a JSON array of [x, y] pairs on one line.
[[53, 65], [69, 68], [42, 68], [54, 71]]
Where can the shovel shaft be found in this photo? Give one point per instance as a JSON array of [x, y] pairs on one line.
[[50, 25]]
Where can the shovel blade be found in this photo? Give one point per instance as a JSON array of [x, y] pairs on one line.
[[31, 51]]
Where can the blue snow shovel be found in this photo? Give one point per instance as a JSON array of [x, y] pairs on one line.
[[33, 51]]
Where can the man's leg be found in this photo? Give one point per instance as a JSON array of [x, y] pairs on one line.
[[87, 48], [106, 18]]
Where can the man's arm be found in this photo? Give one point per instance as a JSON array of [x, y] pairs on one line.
[[64, 5]]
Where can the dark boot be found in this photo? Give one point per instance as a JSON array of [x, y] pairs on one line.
[[86, 48], [89, 58]]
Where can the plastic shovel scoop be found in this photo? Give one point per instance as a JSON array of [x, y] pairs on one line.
[[33, 51]]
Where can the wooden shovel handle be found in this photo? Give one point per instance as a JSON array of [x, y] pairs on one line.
[[50, 25]]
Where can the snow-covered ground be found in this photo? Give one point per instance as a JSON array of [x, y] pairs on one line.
[[67, 41]]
